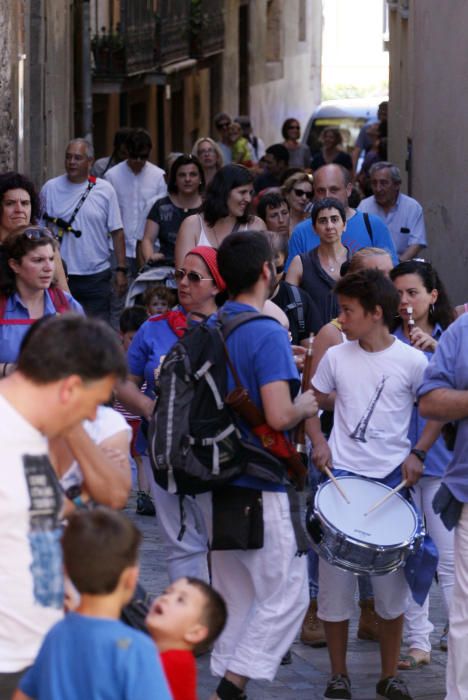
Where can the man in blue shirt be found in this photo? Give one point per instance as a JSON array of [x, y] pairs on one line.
[[444, 396], [402, 214], [335, 181], [265, 588]]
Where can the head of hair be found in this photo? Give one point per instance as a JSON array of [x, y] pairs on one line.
[[279, 152], [132, 318], [227, 178], [89, 146], [121, 136], [16, 181], [16, 246], [328, 203], [441, 311], [241, 257], [279, 243], [180, 161], [97, 546], [371, 289], [56, 347], [161, 291], [336, 133], [220, 116], [357, 261], [286, 124], [138, 141], [214, 145], [295, 179], [214, 614], [384, 165], [270, 200]]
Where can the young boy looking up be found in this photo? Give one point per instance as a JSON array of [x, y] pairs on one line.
[[91, 654], [186, 616]]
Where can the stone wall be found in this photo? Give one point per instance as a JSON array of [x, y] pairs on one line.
[[8, 53]]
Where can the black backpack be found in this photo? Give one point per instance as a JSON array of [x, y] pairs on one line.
[[194, 443]]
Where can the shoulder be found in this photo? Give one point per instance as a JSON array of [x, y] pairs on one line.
[[302, 229], [74, 304], [256, 223], [108, 422], [409, 202], [103, 186], [409, 353], [113, 172], [154, 170], [54, 183], [367, 204]]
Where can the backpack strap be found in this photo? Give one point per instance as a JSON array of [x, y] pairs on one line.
[[57, 296], [295, 304], [59, 300], [368, 227]]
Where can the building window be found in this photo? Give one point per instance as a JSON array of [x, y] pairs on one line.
[[302, 21], [273, 31]]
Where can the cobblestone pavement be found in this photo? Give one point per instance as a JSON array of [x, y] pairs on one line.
[[306, 677]]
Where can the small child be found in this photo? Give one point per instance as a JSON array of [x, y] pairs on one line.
[[159, 299], [188, 616], [130, 321], [90, 653]]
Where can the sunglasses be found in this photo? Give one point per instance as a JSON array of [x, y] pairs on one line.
[[223, 125], [193, 277], [140, 156], [36, 234], [302, 193]]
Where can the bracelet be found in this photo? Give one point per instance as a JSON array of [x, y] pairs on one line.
[[5, 365]]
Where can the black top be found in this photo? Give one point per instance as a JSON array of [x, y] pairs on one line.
[[311, 317], [169, 218], [341, 158], [319, 285], [262, 182]]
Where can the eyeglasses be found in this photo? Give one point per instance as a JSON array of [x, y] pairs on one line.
[[141, 156], [303, 193], [223, 125], [75, 157], [35, 234], [206, 151], [294, 126], [279, 269], [192, 276]]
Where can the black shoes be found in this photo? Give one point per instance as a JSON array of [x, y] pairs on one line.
[[144, 504], [338, 688], [392, 688]]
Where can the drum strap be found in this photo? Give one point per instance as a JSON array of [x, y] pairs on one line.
[[295, 511]]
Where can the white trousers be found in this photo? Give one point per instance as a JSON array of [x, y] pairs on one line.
[[417, 626], [266, 593], [457, 666], [188, 556]]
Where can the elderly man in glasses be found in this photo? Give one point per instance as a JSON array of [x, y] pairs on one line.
[[222, 122], [86, 211], [403, 215]]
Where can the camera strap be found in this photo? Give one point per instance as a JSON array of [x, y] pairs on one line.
[[91, 184]]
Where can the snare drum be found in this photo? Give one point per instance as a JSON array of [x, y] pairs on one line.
[[374, 544]]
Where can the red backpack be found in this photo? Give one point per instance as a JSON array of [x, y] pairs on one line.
[[57, 297]]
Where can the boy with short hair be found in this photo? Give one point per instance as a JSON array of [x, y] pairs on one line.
[[91, 653], [188, 616]]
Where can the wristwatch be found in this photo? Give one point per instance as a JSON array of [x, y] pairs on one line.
[[420, 454], [121, 268]]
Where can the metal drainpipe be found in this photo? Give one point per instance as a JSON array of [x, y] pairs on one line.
[[86, 81]]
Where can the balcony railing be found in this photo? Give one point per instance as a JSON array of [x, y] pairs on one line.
[[190, 29]]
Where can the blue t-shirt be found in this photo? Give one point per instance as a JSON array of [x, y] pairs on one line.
[[448, 369], [261, 353], [355, 237], [97, 659], [11, 335], [438, 456]]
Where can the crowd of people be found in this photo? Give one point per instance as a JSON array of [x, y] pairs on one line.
[[102, 273]]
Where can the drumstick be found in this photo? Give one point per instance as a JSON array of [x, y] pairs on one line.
[[332, 478], [385, 498]]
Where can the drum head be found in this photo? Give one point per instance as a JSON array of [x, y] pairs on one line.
[[392, 523]]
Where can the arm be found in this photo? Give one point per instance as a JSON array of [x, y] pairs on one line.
[[327, 336], [118, 240], [325, 401], [147, 244], [321, 453], [257, 224], [295, 270], [411, 252], [105, 467], [130, 396], [187, 238], [412, 468], [444, 404], [60, 272], [19, 695], [280, 412]]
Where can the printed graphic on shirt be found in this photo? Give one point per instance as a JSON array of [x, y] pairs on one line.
[[45, 533], [359, 432]]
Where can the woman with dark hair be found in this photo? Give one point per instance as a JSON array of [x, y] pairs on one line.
[[424, 314], [299, 153], [225, 210], [331, 151], [185, 184], [28, 292], [20, 206]]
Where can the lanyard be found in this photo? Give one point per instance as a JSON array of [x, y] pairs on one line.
[[91, 184]]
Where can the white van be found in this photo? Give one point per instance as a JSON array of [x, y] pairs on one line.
[[346, 115]]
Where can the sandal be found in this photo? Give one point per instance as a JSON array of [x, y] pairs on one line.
[[415, 658]]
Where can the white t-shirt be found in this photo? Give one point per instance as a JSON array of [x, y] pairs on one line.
[[97, 218], [375, 393], [108, 422], [31, 578], [136, 195]]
